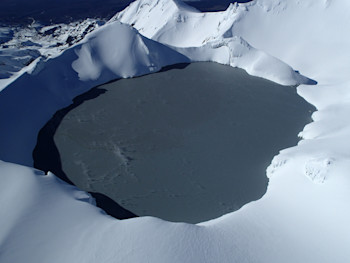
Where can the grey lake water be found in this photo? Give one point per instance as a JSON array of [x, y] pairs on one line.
[[185, 144]]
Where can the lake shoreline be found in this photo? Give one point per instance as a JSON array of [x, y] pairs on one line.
[[128, 159]]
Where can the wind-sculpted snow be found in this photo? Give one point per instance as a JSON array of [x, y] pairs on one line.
[[165, 21], [111, 52], [206, 37], [304, 215], [236, 52], [122, 51]]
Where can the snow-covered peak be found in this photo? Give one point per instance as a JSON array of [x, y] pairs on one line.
[[138, 14], [160, 20], [175, 24], [145, 7], [121, 50], [211, 33]]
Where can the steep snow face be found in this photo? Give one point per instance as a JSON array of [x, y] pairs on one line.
[[236, 52], [112, 52], [278, 36], [165, 21], [122, 51], [206, 37]]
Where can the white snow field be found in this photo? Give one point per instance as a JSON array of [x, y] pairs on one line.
[[303, 217]]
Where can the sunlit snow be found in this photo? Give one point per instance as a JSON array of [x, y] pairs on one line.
[[304, 215]]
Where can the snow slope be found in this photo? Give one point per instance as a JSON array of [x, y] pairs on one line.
[[164, 21], [53, 84], [205, 37], [236, 52], [302, 218]]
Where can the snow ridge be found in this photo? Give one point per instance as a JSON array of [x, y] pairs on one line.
[[111, 52], [203, 36], [236, 52], [141, 10], [98, 55], [164, 21]]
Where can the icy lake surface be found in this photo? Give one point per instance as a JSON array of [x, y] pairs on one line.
[[185, 144]]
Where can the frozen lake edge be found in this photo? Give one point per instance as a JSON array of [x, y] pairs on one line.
[[258, 119]]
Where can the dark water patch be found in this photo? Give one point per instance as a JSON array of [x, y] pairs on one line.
[[47, 158], [186, 144]]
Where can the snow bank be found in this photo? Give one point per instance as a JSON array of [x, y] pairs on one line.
[[302, 218], [50, 221], [236, 52]]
